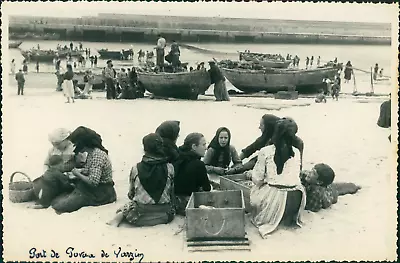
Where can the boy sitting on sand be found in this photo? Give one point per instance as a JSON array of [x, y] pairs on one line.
[[320, 98], [52, 183], [321, 192]]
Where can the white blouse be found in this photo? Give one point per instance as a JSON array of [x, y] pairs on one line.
[[265, 170]]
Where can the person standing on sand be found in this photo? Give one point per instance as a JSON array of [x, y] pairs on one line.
[[25, 67], [19, 77], [307, 62], [37, 66], [311, 61], [68, 84], [218, 79], [160, 52], [109, 77], [95, 61], [318, 61], [13, 66], [347, 72]]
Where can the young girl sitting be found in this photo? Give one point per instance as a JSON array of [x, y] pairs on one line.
[[52, 183], [321, 192], [221, 153]]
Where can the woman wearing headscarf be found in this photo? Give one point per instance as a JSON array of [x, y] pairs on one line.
[[68, 84], [94, 182], [169, 132], [277, 194], [267, 126], [63, 147], [151, 188], [221, 153], [384, 120], [190, 172]]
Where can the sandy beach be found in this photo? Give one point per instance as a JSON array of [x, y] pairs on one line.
[[342, 134]]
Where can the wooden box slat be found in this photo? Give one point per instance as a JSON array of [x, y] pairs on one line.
[[225, 220], [227, 183]]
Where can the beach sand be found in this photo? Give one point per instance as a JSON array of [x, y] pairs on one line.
[[342, 134]]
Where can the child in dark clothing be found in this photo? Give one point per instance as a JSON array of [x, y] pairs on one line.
[[52, 183], [321, 192]]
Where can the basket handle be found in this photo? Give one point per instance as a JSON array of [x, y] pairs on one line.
[[17, 172]]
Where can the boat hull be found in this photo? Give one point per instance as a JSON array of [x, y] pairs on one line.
[[14, 44], [48, 57], [182, 85], [115, 55], [251, 81]]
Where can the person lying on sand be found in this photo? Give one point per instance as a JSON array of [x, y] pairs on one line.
[[151, 188], [321, 192], [221, 153], [52, 183], [320, 98]]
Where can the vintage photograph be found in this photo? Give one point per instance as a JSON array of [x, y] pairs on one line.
[[205, 131]]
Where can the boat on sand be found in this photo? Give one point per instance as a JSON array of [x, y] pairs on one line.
[[274, 80], [14, 44], [115, 55], [181, 85]]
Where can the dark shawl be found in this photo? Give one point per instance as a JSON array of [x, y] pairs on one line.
[[169, 131], [84, 137], [283, 141], [384, 119], [220, 150], [153, 170]]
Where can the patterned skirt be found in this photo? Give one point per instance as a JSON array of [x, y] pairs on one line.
[[147, 215], [270, 204]]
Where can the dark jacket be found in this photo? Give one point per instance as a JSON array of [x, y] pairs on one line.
[[19, 77], [215, 75], [190, 175]]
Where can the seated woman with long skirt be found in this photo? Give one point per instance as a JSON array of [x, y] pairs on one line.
[[267, 126], [151, 188], [169, 132], [278, 194], [190, 172], [94, 182], [221, 153]]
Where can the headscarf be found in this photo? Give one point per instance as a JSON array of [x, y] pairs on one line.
[[269, 121], [153, 170], [169, 131], [284, 133], [218, 149], [185, 151], [59, 135], [84, 137], [325, 173]]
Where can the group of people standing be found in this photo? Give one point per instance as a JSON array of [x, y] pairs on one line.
[[172, 57], [79, 173]]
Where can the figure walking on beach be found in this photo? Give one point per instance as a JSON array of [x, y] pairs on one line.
[[68, 84], [318, 61], [347, 72], [13, 66], [307, 62], [161, 43], [37, 66], [218, 79], [19, 77]]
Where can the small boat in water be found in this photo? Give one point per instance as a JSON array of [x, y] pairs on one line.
[[14, 44], [115, 55], [181, 85], [265, 60], [274, 80], [48, 55]]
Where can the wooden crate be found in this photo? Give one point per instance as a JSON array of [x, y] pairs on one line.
[[227, 183], [225, 220]]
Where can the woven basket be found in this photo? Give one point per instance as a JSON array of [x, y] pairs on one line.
[[21, 191]]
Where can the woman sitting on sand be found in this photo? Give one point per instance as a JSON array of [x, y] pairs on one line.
[[169, 132], [277, 194], [94, 185], [267, 126], [151, 188], [190, 172], [221, 153], [63, 147]]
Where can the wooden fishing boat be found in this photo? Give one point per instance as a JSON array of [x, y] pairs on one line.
[[14, 44], [182, 85], [48, 55], [273, 80], [116, 55], [265, 62]]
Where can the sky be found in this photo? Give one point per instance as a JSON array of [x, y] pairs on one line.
[[350, 12]]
